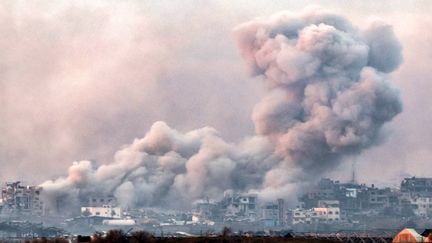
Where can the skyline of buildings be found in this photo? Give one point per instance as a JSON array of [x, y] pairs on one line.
[[330, 204]]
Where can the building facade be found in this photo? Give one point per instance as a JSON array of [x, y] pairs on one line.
[[106, 211], [273, 214], [21, 200]]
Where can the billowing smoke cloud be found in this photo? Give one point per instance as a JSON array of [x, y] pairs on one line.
[[169, 168], [329, 93]]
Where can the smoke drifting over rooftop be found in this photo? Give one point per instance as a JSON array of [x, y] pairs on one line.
[[328, 94]]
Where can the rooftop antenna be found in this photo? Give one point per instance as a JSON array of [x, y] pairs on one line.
[[353, 175]]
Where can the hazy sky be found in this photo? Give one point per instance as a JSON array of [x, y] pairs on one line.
[[79, 79]]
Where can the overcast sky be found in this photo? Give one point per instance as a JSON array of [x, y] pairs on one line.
[[79, 79]]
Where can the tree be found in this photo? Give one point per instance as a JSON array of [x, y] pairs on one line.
[[142, 236], [116, 236]]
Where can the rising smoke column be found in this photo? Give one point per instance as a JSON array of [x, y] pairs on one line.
[[329, 88], [329, 93]]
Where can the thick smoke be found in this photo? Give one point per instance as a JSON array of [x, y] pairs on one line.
[[328, 95], [168, 168]]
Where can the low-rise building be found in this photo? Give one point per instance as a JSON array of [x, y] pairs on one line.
[[106, 211]]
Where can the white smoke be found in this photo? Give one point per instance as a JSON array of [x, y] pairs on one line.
[[329, 93]]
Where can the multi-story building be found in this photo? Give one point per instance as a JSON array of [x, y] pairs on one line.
[[416, 196], [325, 190], [381, 198], [240, 204], [421, 206], [281, 208], [272, 214], [300, 216], [206, 210], [421, 186], [352, 197], [22, 200], [327, 214]]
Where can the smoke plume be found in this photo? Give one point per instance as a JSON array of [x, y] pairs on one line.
[[328, 95]]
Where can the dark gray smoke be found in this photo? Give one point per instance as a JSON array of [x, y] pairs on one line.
[[329, 93]]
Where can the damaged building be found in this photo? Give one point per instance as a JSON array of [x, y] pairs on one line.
[[239, 205], [273, 214], [21, 200], [419, 186], [351, 196]]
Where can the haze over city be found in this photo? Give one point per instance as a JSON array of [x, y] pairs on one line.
[[167, 103], [82, 79]]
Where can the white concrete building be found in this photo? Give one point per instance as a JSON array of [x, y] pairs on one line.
[[119, 222], [316, 215], [301, 216], [330, 214], [106, 211]]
